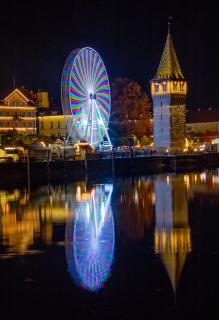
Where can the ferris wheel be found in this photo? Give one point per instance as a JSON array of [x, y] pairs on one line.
[[86, 99]]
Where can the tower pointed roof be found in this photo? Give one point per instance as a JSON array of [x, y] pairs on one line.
[[169, 67]]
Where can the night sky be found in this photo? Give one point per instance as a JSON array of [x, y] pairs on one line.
[[37, 36]]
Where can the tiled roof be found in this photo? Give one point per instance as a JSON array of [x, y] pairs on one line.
[[169, 67]]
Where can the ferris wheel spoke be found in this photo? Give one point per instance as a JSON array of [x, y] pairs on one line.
[[76, 82], [77, 66], [93, 65], [104, 108], [100, 72], [84, 70], [100, 76], [104, 128], [90, 70]]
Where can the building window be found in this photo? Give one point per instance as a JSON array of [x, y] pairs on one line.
[[1, 113], [29, 114], [30, 124], [1, 124], [164, 86], [58, 126], [161, 104], [24, 124], [156, 87], [7, 114], [42, 125], [161, 116], [7, 124], [51, 125], [181, 86]]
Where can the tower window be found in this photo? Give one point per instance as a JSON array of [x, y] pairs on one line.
[[164, 86], [156, 87], [181, 86], [161, 104], [175, 86], [58, 126]]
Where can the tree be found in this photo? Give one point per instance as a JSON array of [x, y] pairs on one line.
[[130, 113]]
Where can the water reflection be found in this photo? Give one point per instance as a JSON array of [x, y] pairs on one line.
[[90, 238], [172, 231], [152, 208], [135, 206], [27, 219]]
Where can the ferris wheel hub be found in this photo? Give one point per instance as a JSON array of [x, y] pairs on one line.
[[92, 96]]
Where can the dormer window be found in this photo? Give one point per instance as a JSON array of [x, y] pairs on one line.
[[164, 86], [156, 87], [181, 86]]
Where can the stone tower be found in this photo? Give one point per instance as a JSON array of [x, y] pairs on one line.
[[168, 90]]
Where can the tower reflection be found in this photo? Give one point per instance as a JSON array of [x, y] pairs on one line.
[[90, 238], [172, 231]]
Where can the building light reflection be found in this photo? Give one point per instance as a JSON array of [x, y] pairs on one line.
[[172, 238]]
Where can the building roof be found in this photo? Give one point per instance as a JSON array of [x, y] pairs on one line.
[[27, 95], [169, 67], [202, 116]]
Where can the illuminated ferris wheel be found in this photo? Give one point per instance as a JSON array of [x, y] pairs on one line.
[[85, 94]]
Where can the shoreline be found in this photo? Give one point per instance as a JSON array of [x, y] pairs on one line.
[[66, 170]]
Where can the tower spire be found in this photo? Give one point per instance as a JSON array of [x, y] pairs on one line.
[[169, 67], [169, 24]]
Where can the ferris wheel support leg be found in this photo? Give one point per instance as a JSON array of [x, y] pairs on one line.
[[72, 126], [92, 119], [98, 111]]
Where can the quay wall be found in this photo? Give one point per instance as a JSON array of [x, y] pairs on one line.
[[44, 171]]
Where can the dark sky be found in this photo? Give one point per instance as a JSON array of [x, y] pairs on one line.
[[37, 36]]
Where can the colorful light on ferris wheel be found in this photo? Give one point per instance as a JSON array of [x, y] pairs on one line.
[[86, 99]]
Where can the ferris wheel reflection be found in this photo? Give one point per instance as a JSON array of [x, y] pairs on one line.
[[90, 239]]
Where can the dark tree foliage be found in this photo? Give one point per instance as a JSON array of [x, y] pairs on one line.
[[130, 113]]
